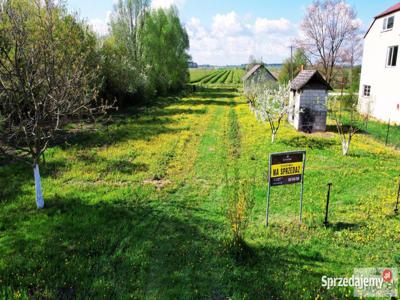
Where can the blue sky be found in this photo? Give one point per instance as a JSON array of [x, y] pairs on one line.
[[229, 31]]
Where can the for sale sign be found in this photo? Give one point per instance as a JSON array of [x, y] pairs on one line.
[[286, 168]]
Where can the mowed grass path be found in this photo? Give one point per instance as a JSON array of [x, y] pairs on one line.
[[138, 210]]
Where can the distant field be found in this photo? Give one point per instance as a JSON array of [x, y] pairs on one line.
[[220, 76]]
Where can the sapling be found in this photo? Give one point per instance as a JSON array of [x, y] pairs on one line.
[[347, 119], [272, 105]]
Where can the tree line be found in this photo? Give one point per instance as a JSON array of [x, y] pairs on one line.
[[54, 70]]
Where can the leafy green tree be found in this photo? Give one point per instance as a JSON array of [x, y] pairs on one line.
[[299, 60], [47, 77], [165, 45], [146, 54], [121, 77], [122, 69]]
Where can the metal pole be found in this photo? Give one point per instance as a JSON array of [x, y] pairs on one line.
[[302, 188], [291, 63], [327, 204], [396, 210], [387, 133], [268, 192]]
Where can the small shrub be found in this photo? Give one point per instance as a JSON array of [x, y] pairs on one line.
[[240, 202]]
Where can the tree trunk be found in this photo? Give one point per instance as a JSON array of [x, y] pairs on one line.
[[38, 187], [273, 137], [345, 147]]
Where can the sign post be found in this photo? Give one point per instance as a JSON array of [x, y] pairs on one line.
[[286, 168], [326, 223], [396, 210]]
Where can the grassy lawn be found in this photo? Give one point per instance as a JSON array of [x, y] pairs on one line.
[[379, 131], [139, 210]]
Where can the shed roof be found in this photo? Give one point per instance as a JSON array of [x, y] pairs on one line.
[[390, 10], [305, 77], [254, 69]]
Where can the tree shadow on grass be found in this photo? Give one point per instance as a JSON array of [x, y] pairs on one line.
[[126, 167], [209, 89], [106, 137], [228, 103], [115, 250], [309, 142], [178, 111], [343, 226], [346, 129], [129, 125], [208, 95], [13, 177]]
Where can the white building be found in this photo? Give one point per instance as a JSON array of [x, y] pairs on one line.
[[380, 75]]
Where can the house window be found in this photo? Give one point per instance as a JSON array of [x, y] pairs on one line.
[[388, 23], [367, 90], [392, 56]]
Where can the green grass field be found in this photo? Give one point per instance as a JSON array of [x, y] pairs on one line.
[[219, 76], [139, 210], [379, 130]]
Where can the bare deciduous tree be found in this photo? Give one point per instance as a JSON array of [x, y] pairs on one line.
[[343, 110], [46, 79], [327, 26], [351, 53]]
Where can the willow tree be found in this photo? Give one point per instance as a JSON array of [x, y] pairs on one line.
[[47, 77], [123, 68], [165, 45], [146, 54]]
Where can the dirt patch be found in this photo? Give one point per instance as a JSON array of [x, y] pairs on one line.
[[327, 135], [159, 184]]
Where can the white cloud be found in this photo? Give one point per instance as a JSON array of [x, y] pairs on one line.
[[263, 25], [167, 3], [232, 38], [100, 26], [227, 24]]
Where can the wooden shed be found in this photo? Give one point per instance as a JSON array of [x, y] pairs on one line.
[[259, 74], [308, 101]]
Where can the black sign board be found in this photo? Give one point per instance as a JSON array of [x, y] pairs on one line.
[[286, 168]]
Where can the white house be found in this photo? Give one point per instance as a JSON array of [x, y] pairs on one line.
[[380, 76]]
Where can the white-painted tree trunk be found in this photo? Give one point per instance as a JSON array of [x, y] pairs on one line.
[[345, 147], [273, 138], [38, 187]]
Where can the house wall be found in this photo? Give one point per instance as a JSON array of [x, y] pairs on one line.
[[384, 101], [294, 108]]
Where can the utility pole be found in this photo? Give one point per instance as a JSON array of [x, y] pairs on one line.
[[291, 62]]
